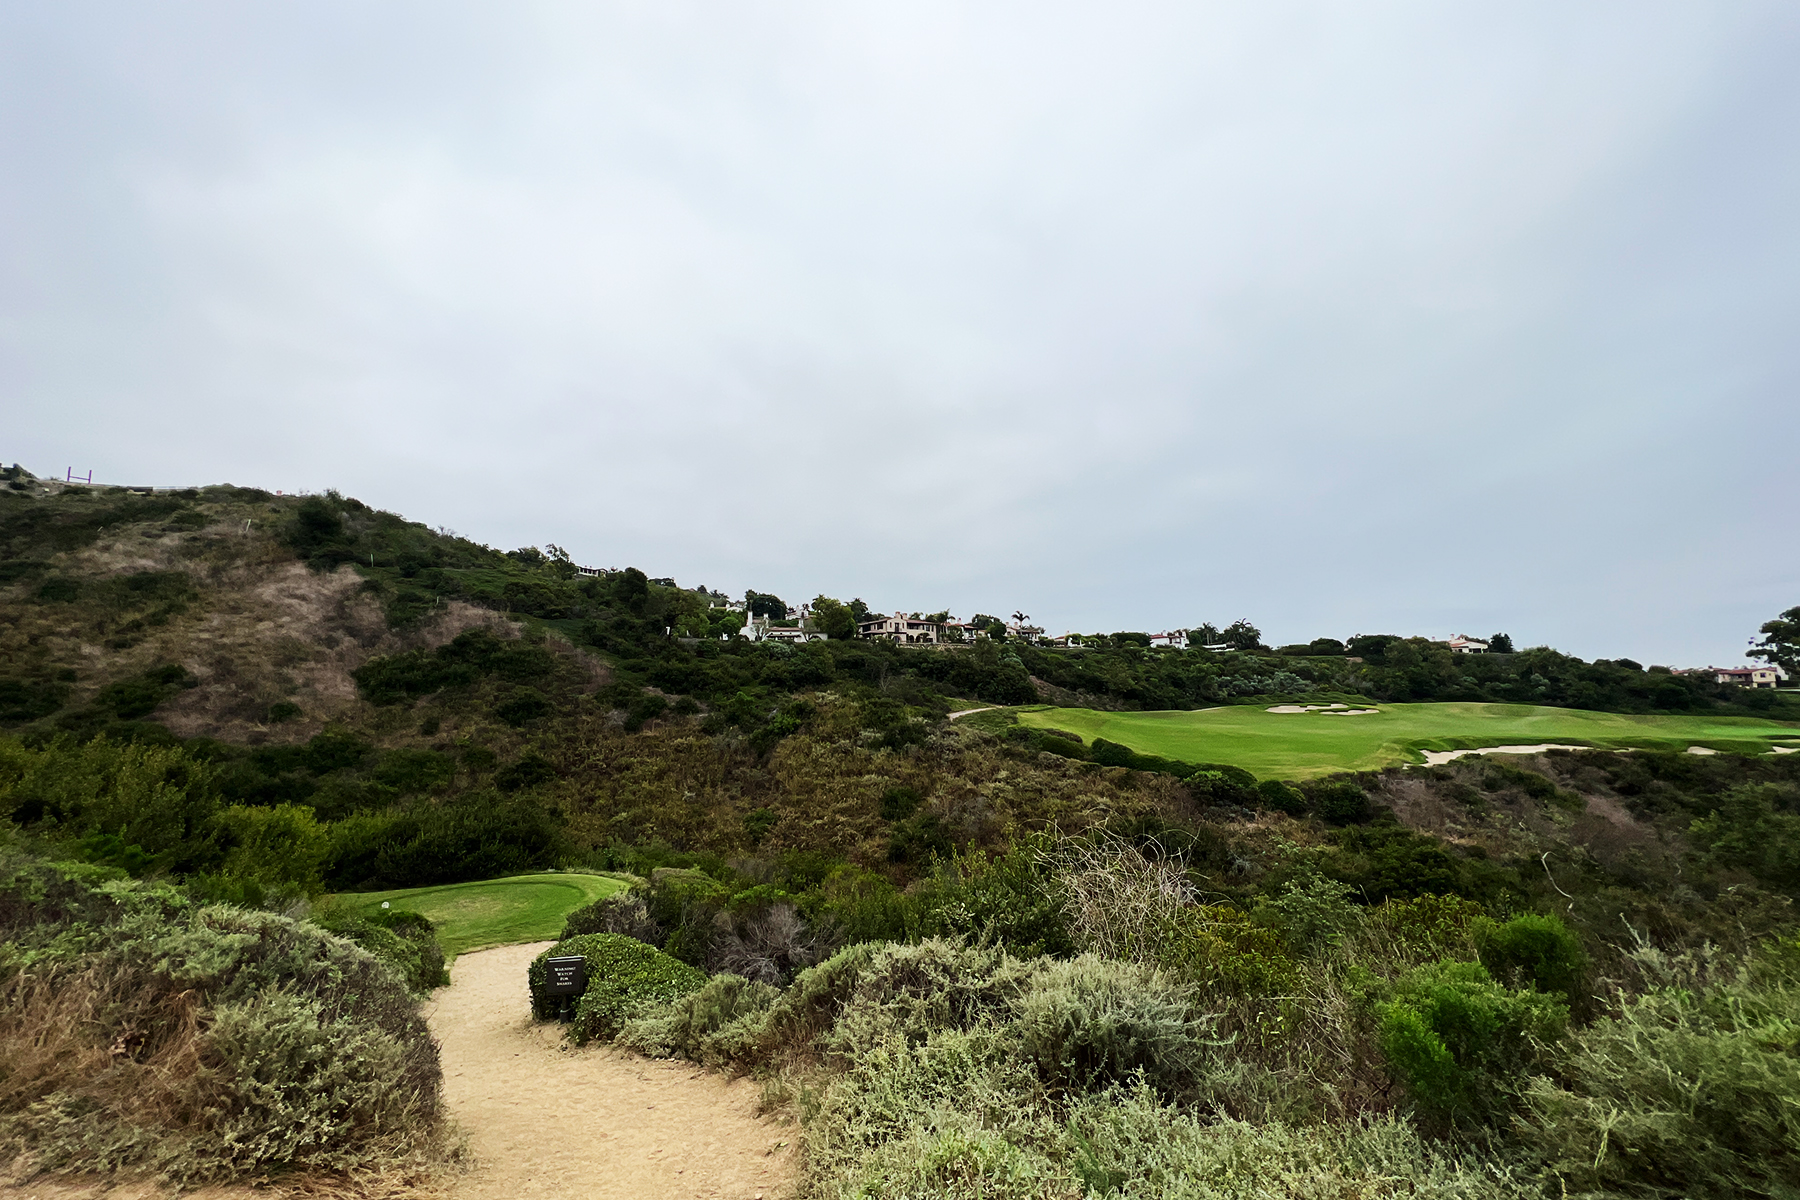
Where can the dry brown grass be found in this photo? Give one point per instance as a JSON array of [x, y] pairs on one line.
[[357, 1185], [116, 1039], [109, 1064]]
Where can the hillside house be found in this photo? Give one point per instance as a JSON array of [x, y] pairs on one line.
[[1462, 643], [792, 634], [1029, 634], [1754, 677], [907, 630], [796, 630], [1174, 639]]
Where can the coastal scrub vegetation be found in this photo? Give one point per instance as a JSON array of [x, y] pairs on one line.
[[969, 958]]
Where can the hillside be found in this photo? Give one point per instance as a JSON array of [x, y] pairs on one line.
[[245, 702]]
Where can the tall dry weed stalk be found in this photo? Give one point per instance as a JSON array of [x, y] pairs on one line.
[[1121, 903], [1292, 1016]]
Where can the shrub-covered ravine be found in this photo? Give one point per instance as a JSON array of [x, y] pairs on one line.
[[144, 1032]]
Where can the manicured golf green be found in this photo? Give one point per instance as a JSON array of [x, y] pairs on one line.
[[492, 912], [1307, 744]]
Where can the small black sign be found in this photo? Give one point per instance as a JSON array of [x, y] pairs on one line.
[[565, 976]]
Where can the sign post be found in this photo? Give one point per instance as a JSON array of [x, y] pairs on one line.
[[566, 977]]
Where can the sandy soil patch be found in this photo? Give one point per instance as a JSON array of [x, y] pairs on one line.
[[547, 1120], [970, 711], [1437, 758]]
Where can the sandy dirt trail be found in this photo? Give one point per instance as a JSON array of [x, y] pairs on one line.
[[547, 1120]]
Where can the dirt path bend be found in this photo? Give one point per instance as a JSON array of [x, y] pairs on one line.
[[547, 1120]]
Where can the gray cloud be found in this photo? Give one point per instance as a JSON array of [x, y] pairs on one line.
[[1394, 317]]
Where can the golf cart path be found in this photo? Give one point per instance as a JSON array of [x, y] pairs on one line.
[[545, 1119]]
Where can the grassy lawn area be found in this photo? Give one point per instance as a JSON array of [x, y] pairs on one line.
[[492, 912], [1306, 744]]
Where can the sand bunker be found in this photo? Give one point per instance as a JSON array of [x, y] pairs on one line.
[[1330, 710], [1437, 758]]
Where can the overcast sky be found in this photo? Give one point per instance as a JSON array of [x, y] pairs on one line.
[[1377, 317]]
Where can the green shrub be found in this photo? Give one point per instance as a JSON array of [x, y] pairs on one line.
[[1689, 1091], [29, 699], [1535, 951], [624, 975], [974, 1141], [1054, 741], [411, 772], [758, 822], [969, 1073], [530, 771], [283, 844], [647, 707], [472, 655], [1221, 786], [1091, 1022], [622, 912], [899, 803], [1425, 928], [1496, 776], [159, 798], [1756, 828], [1009, 900], [1311, 913], [723, 1024], [905, 991], [405, 941], [1277, 796], [523, 707], [861, 906], [478, 836], [142, 694], [139, 1031], [1463, 1044], [919, 840], [1112, 754], [1341, 802], [1386, 861]]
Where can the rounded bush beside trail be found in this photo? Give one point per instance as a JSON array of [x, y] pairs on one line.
[[141, 1032], [405, 941], [624, 975], [1092, 1022]]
